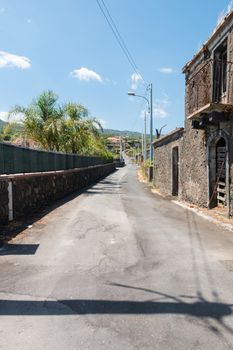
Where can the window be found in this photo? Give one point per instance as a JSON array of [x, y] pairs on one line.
[[220, 72]]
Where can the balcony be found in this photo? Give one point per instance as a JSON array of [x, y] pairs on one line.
[[207, 89]]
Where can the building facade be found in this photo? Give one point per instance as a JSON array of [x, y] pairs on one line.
[[166, 162], [205, 163]]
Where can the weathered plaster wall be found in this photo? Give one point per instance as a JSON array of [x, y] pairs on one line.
[[33, 191]]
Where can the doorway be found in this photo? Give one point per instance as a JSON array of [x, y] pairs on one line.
[[175, 171], [218, 178]]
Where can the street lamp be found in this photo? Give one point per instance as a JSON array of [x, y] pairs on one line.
[[132, 93], [150, 108], [144, 141]]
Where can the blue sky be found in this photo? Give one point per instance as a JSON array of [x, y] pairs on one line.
[[67, 46]]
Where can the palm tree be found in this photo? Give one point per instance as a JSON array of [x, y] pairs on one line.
[[79, 130], [67, 128], [42, 120]]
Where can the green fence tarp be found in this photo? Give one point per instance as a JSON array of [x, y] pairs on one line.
[[16, 160]]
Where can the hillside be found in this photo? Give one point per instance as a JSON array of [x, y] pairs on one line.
[[105, 131], [112, 132], [122, 133]]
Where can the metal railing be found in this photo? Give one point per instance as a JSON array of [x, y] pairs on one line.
[[15, 160]]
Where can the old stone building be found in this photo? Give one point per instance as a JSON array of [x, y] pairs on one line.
[[204, 161], [166, 163]]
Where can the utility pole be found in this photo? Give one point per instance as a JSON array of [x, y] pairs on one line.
[[138, 148], [150, 108], [142, 145], [151, 125], [144, 155], [121, 148]]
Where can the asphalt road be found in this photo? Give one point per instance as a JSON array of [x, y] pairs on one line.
[[118, 267]]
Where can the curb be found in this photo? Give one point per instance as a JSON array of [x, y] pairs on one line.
[[200, 213]]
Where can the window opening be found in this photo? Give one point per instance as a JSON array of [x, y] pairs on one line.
[[220, 72]]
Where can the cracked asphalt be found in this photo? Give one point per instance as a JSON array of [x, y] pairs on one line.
[[118, 267]]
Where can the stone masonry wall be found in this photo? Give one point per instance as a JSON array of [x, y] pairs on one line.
[[163, 165], [3, 201], [194, 162], [33, 191], [193, 166], [194, 154]]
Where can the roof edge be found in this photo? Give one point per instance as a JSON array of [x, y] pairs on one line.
[[172, 133], [218, 29]]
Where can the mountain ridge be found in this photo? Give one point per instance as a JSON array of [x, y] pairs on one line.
[[113, 132], [116, 132]]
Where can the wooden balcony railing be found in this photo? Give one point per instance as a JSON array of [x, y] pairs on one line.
[[208, 86]]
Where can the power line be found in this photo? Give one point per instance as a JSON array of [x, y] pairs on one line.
[[118, 36]]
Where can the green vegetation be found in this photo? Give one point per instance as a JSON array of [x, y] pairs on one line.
[[67, 128], [9, 131], [2, 123], [123, 133]]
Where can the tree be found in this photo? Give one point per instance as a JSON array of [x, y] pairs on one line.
[[9, 131], [67, 128], [42, 120], [80, 133]]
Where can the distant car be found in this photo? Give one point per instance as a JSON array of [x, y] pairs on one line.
[[119, 163]]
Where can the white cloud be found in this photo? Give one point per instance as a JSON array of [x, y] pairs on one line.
[[224, 13], [85, 74], [10, 60], [102, 122], [143, 112], [136, 80], [221, 17], [4, 116], [230, 6], [16, 117], [166, 70], [161, 105], [160, 112]]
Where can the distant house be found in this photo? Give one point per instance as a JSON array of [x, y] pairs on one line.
[[202, 155], [113, 143]]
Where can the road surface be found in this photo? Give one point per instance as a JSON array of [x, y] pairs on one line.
[[118, 267]]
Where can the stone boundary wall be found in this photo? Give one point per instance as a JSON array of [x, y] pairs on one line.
[[31, 192], [4, 209]]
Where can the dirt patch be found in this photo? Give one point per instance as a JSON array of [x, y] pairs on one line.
[[141, 176]]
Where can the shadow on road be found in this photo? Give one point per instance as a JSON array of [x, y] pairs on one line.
[[19, 249], [107, 186], [86, 307]]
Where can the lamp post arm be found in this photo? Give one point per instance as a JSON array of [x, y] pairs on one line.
[[144, 99]]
